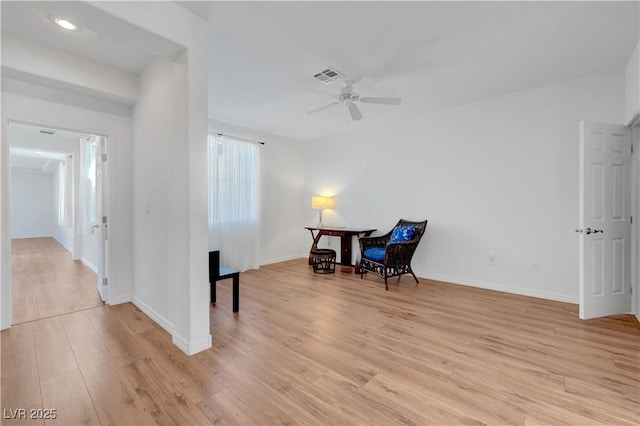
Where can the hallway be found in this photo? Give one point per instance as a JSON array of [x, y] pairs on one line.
[[46, 282]]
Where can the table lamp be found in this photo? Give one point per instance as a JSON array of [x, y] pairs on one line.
[[321, 203]]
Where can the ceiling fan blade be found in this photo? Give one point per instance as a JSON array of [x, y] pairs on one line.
[[319, 92], [355, 112], [384, 101], [313, 111]]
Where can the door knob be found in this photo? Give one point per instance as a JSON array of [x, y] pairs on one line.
[[589, 231]]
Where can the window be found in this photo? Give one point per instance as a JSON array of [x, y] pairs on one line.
[[234, 201]]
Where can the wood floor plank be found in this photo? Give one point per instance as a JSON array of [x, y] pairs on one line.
[[47, 301], [83, 338], [68, 395], [17, 339], [123, 345], [225, 408], [20, 380], [25, 307], [133, 318], [353, 404], [400, 396], [52, 347], [298, 398], [191, 378], [595, 412], [114, 399], [266, 401], [163, 400]]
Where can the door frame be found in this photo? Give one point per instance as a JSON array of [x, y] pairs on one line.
[[6, 274], [634, 126], [635, 208]]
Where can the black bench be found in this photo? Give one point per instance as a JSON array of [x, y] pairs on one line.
[[217, 273]]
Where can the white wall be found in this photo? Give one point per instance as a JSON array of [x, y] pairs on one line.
[[498, 177], [33, 210], [30, 62], [632, 89], [187, 281], [282, 234], [160, 201]]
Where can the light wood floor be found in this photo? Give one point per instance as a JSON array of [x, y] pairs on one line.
[[333, 349], [46, 282]]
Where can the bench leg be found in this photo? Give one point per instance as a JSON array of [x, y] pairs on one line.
[[213, 292], [236, 292]]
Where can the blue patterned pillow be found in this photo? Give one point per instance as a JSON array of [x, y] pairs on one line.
[[401, 234], [375, 253]]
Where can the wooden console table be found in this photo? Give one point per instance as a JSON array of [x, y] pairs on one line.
[[346, 235]]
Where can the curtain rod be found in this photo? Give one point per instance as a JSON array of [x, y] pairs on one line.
[[240, 139]]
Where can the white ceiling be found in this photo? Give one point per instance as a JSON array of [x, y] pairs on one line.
[[35, 161], [104, 39], [36, 152], [431, 54]]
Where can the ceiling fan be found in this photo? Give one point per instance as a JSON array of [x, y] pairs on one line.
[[349, 98]]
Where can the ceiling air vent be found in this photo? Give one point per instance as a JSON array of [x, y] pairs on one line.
[[328, 75], [47, 131]]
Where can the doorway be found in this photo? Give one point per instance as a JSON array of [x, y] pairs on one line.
[[58, 220]]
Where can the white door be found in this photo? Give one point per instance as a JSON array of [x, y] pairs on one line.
[[605, 220], [101, 217]]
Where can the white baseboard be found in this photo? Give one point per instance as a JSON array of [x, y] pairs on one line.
[[190, 348], [283, 259], [90, 265], [506, 289], [155, 316], [122, 299], [66, 246]]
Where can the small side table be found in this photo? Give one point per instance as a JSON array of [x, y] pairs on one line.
[[323, 261]]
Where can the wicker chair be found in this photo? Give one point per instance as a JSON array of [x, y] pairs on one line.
[[390, 255]]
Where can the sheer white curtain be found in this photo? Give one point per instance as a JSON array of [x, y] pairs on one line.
[[234, 201], [65, 193], [88, 181]]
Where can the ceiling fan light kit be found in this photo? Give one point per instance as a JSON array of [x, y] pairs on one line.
[[349, 98]]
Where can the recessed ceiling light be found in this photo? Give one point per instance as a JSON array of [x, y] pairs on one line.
[[64, 23]]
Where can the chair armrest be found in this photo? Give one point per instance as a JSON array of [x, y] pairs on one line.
[[400, 253], [369, 242]]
